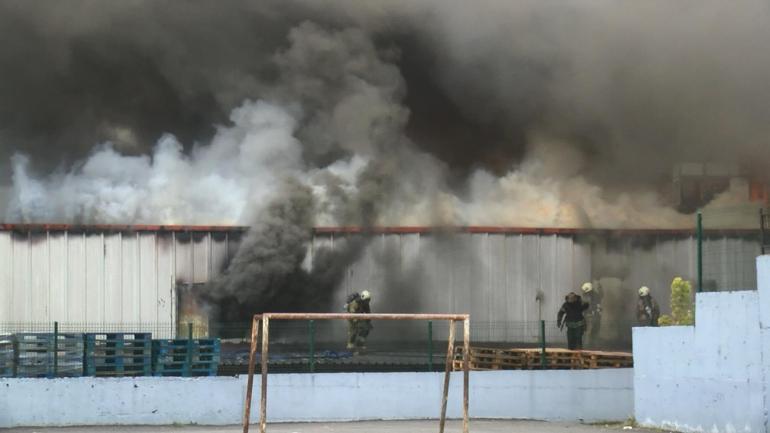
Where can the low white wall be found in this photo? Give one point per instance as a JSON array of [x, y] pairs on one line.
[[711, 377], [589, 395]]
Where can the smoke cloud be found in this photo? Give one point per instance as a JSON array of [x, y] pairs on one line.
[[287, 114]]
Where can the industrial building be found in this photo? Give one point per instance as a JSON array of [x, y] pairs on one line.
[[133, 276]]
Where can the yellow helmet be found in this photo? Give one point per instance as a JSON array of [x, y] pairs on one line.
[[587, 287], [644, 291], [365, 295]]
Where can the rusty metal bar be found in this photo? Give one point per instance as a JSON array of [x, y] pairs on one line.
[[337, 316], [452, 318], [466, 371], [263, 391], [448, 369], [250, 382]]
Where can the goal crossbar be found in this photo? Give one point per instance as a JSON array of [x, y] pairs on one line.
[[264, 321]]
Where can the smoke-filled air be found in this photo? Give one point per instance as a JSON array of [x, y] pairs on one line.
[[283, 115]]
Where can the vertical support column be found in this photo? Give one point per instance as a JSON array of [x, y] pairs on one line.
[[700, 251], [250, 382], [263, 391], [448, 368], [466, 371], [311, 331], [188, 368], [430, 345], [542, 345], [55, 349], [762, 231]]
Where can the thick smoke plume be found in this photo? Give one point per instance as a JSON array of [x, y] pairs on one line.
[[287, 114]]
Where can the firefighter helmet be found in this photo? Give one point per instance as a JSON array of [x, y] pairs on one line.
[[365, 295], [587, 287], [644, 291]]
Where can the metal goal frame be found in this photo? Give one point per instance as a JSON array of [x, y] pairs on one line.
[[264, 320]]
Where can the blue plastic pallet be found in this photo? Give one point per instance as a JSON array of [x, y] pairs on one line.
[[196, 357], [118, 354]]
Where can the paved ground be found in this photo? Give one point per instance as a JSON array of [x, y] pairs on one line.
[[477, 426]]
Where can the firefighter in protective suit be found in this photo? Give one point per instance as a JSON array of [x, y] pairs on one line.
[[647, 310], [571, 316], [358, 329], [593, 315]]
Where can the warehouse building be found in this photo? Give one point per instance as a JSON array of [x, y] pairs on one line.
[[506, 278]]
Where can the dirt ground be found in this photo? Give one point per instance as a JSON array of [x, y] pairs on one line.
[[477, 426]]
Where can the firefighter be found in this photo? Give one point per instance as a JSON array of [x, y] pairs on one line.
[[358, 329], [571, 316], [647, 310], [592, 295]]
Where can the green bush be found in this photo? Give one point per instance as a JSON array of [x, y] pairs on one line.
[[682, 308]]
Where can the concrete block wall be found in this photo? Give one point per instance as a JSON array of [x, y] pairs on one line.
[[589, 395], [711, 377]]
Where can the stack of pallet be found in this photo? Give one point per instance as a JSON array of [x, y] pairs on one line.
[[6, 355], [118, 354], [531, 359], [593, 359], [48, 355], [196, 357]]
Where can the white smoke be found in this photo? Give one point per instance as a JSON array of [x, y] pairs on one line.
[[212, 185]]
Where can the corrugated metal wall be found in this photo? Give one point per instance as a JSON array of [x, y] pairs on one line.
[[104, 277], [130, 277], [496, 276]]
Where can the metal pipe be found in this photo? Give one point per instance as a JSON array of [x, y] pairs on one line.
[[448, 368], [263, 391], [466, 371], [363, 316], [250, 382]]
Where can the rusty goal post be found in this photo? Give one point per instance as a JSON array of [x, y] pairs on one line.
[[263, 321]]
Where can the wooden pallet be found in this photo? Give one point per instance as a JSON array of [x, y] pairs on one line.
[[520, 359], [597, 359]]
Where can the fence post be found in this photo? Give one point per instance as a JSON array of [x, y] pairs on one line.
[[55, 349], [311, 330], [762, 230], [430, 345], [700, 251], [189, 349], [542, 345]]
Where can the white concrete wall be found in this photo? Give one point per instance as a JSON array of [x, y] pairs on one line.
[[590, 395], [711, 377]]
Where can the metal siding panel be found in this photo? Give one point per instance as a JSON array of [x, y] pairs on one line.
[[148, 288], [498, 287], [130, 268], [6, 277], [95, 278], [58, 296], [201, 251], [76, 278], [113, 277], [38, 244], [21, 279], [183, 258], [515, 275], [166, 302], [219, 257]]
